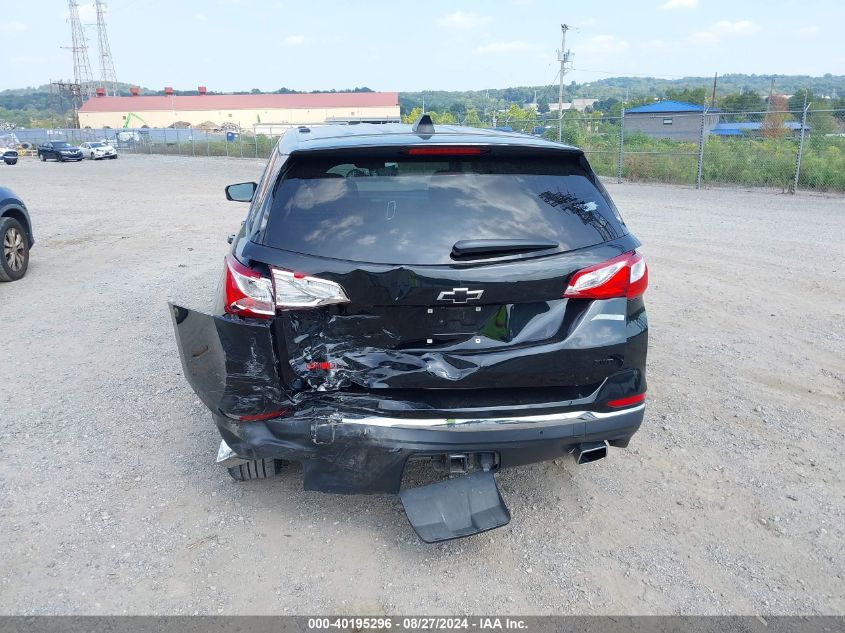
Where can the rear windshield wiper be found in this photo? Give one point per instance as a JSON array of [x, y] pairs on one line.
[[469, 248]]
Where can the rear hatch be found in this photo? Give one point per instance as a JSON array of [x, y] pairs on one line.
[[454, 261]]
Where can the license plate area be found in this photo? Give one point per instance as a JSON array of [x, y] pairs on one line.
[[465, 320]]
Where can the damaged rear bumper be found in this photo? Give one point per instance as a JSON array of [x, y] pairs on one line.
[[359, 454]]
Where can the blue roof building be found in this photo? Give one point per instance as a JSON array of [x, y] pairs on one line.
[[668, 106], [676, 120]]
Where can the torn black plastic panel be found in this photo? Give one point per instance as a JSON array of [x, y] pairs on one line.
[[229, 362], [455, 508]]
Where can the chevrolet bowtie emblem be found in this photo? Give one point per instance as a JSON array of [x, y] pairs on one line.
[[460, 295]]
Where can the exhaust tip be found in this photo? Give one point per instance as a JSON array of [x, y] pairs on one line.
[[589, 452]]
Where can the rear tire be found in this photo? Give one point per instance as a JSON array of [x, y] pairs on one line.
[[256, 469], [14, 250]]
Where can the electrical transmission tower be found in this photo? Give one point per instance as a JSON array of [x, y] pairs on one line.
[[107, 74], [81, 64]]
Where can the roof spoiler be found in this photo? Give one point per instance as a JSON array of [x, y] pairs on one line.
[[424, 125]]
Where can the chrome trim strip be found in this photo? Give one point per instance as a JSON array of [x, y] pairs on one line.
[[474, 423]]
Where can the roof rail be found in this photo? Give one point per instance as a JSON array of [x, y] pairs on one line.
[[424, 125]]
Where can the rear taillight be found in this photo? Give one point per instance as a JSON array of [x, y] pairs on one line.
[[623, 276], [295, 290], [247, 292]]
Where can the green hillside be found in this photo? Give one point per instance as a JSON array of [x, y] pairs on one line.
[[37, 106]]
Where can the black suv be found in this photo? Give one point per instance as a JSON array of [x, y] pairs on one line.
[[467, 297], [59, 150]]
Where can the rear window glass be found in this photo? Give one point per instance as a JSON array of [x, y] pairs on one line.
[[411, 210]]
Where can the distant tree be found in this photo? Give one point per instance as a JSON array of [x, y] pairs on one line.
[[690, 95], [521, 119], [773, 125], [796, 101], [413, 115], [637, 101], [542, 105], [515, 113], [838, 106], [443, 118], [821, 123], [605, 105], [471, 117], [458, 110], [742, 102], [255, 91]]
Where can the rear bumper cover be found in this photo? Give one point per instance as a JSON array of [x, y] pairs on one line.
[[357, 454]]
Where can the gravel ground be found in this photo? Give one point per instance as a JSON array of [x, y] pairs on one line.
[[731, 499]]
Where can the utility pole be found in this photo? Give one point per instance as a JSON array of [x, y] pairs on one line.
[[107, 73], [771, 93], [563, 57], [81, 64], [713, 99]]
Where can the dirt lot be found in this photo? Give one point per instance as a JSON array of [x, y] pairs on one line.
[[731, 499]]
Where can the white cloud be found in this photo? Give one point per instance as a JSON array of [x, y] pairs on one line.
[[294, 40], [742, 27], [704, 37], [679, 4], [13, 27], [810, 29], [602, 44], [502, 47], [463, 20], [201, 17], [723, 29]]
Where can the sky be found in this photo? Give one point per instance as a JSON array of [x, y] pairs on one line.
[[437, 45]]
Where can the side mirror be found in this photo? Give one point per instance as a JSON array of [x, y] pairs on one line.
[[241, 192]]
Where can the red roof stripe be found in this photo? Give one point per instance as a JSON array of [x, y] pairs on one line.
[[242, 102]]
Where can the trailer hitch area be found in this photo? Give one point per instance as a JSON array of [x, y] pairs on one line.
[[455, 508], [458, 463], [463, 463]]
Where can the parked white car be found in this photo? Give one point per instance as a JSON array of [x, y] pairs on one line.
[[96, 150]]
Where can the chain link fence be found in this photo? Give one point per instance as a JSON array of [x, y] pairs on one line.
[[787, 150], [233, 143]]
